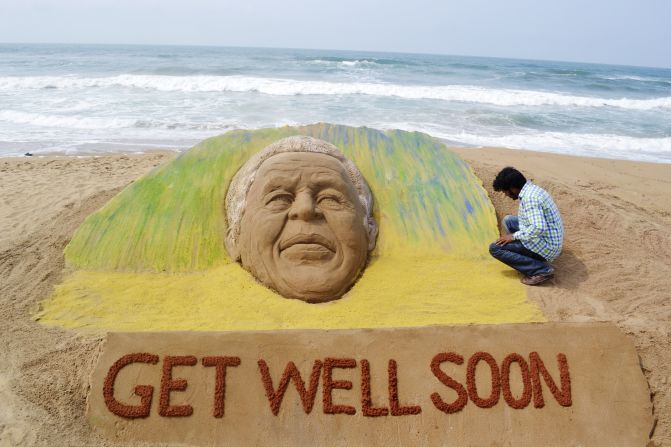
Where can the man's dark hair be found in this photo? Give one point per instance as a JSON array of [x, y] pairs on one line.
[[509, 178]]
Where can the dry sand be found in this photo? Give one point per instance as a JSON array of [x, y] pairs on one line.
[[615, 267]]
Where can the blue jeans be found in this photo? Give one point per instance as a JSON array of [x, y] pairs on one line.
[[517, 255]]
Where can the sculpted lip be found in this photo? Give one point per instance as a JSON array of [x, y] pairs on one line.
[[307, 239]]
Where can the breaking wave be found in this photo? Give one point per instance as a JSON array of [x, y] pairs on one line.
[[91, 123], [291, 87], [600, 145], [72, 122]]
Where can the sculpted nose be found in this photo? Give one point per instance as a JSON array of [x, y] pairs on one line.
[[304, 207]]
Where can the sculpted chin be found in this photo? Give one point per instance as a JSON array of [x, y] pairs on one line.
[[300, 219]]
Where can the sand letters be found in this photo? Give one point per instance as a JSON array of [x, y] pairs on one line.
[[531, 378]]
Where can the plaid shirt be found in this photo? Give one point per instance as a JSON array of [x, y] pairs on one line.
[[541, 227]]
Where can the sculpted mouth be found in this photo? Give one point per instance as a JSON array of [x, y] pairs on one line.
[[307, 249], [307, 240]]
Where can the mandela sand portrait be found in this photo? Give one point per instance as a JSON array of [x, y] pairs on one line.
[[300, 219]]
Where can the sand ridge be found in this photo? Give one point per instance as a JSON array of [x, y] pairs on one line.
[[614, 268]]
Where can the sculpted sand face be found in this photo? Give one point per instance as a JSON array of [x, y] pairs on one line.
[[303, 232]]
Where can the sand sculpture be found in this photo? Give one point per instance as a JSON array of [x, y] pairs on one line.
[[160, 246], [163, 260], [300, 219]]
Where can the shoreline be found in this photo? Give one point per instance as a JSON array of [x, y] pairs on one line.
[[452, 145], [614, 268], [89, 154]]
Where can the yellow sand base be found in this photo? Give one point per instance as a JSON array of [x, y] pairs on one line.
[[391, 293]]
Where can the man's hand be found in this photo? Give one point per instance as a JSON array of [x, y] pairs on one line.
[[505, 239]]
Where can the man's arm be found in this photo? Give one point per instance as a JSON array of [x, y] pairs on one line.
[[536, 225]]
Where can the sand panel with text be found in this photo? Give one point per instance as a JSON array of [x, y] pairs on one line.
[[398, 399]]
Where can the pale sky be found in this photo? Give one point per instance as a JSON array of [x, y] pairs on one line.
[[630, 32]]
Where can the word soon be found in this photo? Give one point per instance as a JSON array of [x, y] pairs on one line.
[[531, 372]]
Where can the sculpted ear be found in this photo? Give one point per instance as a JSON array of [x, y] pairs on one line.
[[232, 246], [372, 232]]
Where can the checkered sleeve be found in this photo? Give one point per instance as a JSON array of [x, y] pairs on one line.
[[534, 224]]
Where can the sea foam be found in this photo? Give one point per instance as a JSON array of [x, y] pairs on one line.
[[598, 145], [292, 87], [73, 122]]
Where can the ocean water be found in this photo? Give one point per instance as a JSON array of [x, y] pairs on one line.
[[100, 98]]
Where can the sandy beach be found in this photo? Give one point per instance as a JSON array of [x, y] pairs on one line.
[[614, 268]]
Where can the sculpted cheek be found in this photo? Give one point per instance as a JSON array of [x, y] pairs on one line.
[[350, 230], [268, 227]]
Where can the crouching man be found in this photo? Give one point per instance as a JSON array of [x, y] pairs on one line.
[[532, 239]]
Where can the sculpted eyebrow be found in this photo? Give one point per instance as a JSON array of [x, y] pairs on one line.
[[332, 181], [278, 183]]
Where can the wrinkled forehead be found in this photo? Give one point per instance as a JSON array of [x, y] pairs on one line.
[[305, 167]]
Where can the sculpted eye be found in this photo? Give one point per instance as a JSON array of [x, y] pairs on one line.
[[279, 202], [330, 202]]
